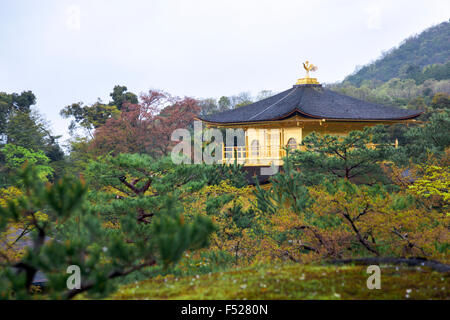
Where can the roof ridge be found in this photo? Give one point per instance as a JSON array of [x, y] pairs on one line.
[[287, 95]]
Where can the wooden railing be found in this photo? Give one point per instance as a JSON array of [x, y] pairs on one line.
[[373, 145], [262, 155], [252, 155]]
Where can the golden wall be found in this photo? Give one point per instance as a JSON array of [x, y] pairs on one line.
[[265, 142]]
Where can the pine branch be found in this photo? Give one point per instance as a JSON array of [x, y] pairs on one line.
[[115, 274]]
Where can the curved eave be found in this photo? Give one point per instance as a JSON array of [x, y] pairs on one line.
[[307, 115], [311, 118]]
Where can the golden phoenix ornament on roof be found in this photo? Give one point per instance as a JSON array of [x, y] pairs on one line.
[[309, 67]]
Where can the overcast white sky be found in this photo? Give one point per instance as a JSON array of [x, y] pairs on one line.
[[69, 51]]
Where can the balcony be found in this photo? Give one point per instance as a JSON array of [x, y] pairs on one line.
[[264, 156], [255, 156]]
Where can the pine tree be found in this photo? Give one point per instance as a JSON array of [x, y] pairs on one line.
[[71, 232], [354, 157]]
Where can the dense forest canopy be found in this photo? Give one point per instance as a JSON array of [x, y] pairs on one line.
[[415, 75], [429, 49]]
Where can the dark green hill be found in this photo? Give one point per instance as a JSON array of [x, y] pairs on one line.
[[430, 48]]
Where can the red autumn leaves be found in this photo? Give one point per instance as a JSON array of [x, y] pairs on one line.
[[146, 127]]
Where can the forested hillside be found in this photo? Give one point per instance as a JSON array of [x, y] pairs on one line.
[[414, 75], [430, 49]]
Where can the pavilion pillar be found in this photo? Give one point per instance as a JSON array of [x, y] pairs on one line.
[[246, 144]]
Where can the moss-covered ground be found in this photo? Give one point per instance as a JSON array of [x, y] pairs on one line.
[[294, 282]]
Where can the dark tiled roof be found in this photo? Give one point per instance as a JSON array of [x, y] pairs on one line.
[[311, 101]]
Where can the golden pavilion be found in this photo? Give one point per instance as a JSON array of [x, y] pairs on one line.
[[284, 119]]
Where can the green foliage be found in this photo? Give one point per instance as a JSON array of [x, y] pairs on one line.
[[89, 117], [211, 105], [129, 184], [22, 102], [404, 76], [434, 71], [78, 237], [430, 138], [12, 103], [434, 183], [80, 156], [417, 103], [430, 47], [16, 157], [135, 183], [355, 156], [23, 127], [30, 131], [174, 235], [215, 204], [26, 130], [208, 106], [243, 219], [288, 187], [224, 103], [59, 202], [120, 96], [234, 173], [93, 116], [441, 100], [396, 92]]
